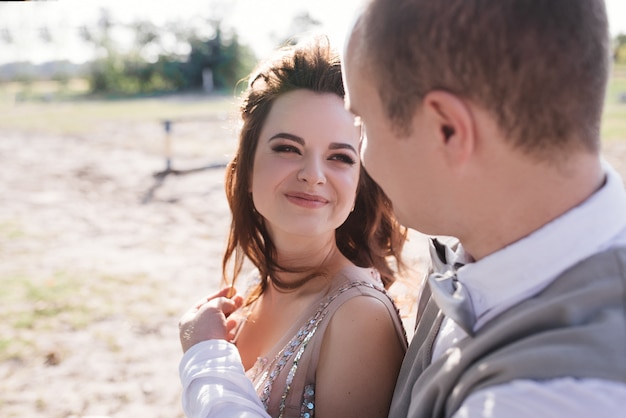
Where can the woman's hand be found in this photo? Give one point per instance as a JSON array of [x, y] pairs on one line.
[[208, 319]]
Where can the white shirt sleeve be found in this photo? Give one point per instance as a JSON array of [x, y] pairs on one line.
[[215, 385], [557, 398]]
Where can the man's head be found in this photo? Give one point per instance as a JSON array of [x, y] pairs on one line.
[[539, 67], [475, 110]]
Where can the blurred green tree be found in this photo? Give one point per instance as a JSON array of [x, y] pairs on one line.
[[166, 59], [619, 52]]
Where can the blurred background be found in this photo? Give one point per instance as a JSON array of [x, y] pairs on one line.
[[116, 121]]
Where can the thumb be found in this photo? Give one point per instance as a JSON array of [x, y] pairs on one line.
[[231, 328], [228, 306]]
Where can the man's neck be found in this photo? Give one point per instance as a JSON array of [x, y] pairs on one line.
[[526, 197]]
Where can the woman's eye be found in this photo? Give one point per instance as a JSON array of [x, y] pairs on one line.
[[344, 158], [286, 148]]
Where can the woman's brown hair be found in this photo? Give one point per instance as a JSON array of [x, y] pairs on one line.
[[369, 236]]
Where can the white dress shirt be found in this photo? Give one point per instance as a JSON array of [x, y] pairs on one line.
[[520, 271], [215, 384]]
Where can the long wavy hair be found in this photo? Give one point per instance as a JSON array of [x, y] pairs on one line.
[[371, 235]]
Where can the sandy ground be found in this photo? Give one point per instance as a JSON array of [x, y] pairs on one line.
[[133, 260], [97, 264]]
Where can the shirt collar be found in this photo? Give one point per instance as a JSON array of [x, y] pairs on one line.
[[525, 267]]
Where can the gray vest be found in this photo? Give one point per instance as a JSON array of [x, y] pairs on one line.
[[575, 327]]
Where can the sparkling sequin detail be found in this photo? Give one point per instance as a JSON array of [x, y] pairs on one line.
[[265, 372], [294, 368], [308, 402]]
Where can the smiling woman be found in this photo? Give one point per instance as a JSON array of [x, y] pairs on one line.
[[319, 333], [310, 163]]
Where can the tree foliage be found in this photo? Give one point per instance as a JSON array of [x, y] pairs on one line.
[[155, 63], [619, 54]]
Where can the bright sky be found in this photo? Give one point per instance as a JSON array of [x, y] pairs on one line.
[[258, 22]]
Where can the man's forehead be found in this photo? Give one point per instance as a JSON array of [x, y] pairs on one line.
[[346, 72], [353, 82], [348, 97]]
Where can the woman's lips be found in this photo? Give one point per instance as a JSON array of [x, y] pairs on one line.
[[306, 200]]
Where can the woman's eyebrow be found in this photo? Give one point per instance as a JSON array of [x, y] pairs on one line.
[[342, 145], [299, 140], [285, 135]]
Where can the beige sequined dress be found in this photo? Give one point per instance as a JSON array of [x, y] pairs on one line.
[[285, 380]]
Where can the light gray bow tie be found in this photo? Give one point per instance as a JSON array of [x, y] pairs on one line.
[[450, 295]]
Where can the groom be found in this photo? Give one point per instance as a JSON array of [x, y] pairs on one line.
[[482, 122]]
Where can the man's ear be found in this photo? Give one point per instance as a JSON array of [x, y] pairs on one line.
[[453, 124]]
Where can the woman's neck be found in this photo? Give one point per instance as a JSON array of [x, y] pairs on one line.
[[305, 258]]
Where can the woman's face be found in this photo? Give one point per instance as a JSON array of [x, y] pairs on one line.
[[306, 165]]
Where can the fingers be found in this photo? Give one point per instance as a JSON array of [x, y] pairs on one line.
[[231, 328], [229, 306], [207, 319], [224, 305], [225, 292], [230, 292], [206, 323]]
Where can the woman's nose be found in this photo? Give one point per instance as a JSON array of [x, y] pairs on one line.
[[312, 172]]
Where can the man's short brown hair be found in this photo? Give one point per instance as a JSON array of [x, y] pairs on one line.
[[539, 66]]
